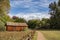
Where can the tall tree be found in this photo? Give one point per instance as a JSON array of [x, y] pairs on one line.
[[5, 5], [59, 3], [55, 14], [4, 10]]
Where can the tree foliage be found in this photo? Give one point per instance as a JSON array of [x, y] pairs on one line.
[[5, 5], [17, 19], [33, 24], [2, 26], [55, 15], [4, 10], [45, 23], [39, 24]]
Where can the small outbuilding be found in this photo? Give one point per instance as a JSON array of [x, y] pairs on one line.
[[13, 26]]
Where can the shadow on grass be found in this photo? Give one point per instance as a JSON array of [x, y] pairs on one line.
[[48, 29]]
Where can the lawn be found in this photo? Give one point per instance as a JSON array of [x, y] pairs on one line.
[[51, 35], [35, 36]]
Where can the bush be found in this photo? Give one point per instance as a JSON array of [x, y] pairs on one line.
[[2, 26]]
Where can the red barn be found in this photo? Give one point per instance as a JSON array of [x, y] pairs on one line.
[[12, 26]]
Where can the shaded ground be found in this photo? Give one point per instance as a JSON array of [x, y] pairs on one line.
[[40, 36]]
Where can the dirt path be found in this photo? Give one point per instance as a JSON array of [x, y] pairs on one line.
[[40, 36]]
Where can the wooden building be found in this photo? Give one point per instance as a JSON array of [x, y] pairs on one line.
[[12, 26]]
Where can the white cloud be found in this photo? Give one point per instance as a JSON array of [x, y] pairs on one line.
[[29, 16], [10, 15], [27, 3], [33, 7]]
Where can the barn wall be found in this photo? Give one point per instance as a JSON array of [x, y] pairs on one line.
[[19, 28], [14, 28], [9, 28]]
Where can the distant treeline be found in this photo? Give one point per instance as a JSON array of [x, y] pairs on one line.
[[52, 23]]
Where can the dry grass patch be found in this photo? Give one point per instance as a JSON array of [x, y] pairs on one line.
[[13, 35], [51, 35]]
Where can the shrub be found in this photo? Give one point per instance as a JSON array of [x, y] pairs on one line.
[[2, 26]]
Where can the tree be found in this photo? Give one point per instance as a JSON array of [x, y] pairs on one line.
[[55, 15], [39, 24], [4, 10], [5, 5], [34, 24], [45, 23], [17, 19], [59, 3]]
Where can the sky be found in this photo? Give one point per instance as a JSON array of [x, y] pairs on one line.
[[30, 9]]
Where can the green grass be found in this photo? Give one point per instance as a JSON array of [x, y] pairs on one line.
[[35, 36], [51, 35]]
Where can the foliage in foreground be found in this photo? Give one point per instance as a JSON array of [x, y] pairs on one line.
[[2, 26], [23, 35], [4, 10]]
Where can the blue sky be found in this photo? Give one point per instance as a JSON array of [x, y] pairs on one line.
[[30, 9]]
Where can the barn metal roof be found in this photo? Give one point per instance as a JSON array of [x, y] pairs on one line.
[[16, 24]]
